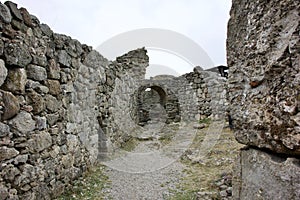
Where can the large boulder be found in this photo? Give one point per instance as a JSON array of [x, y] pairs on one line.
[[263, 46]]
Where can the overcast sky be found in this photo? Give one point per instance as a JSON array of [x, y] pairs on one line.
[[95, 21]]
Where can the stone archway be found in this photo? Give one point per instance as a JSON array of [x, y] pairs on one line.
[[155, 103]]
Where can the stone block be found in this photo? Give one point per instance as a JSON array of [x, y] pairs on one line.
[[3, 192], [15, 81], [54, 87], [7, 153], [36, 72], [41, 123], [53, 70], [22, 123], [40, 141], [26, 17], [10, 104], [36, 101], [5, 13], [17, 54], [64, 58], [52, 104], [14, 10], [4, 130], [261, 175]]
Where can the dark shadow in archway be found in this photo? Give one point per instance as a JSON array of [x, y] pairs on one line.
[[154, 104]]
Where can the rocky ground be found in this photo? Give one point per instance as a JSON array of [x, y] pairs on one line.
[[186, 163]]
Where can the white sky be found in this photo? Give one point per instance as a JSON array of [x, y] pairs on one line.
[[94, 21]]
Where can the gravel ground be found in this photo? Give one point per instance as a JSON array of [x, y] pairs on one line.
[[148, 172], [151, 185]]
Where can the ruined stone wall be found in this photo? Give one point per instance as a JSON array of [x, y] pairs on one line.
[[200, 94], [210, 89], [55, 103], [263, 54], [49, 128], [127, 71]]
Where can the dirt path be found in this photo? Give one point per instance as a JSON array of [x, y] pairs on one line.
[[151, 170], [151, 185], [169, 165]]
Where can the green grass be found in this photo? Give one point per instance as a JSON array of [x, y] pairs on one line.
[[205, 121], [166, 138], [130, 144], [169, 132], [186, 195], [89, 186]]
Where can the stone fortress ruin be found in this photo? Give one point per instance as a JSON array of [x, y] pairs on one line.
[[63, 106]]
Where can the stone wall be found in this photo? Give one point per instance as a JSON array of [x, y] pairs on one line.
[[115, 120], [210, 88], [263, 55], [41, 150], [55, 100], [200, 94]]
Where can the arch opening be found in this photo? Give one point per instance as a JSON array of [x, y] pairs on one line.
[[155, 104]]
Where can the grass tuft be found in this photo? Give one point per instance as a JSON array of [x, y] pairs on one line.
[[89, 186]]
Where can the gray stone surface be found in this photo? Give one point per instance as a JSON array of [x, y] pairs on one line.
[[52, 119], [51, 103], [38, 87], [1, 47], [260, 175], [263, 46], [17, 54], [53, 70], [3, 72], [263, 91], [37, 101], [40, 141], [5, 13], [41, 123], [4, 130], [10, 104], [15, 81], [14, 10], [3, 192], [23, 123], [93, 59], [36, 72], [46, 30], [17, 25], [64, 58], [7, 153]]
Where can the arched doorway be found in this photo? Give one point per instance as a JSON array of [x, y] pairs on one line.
[[156, 104]]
